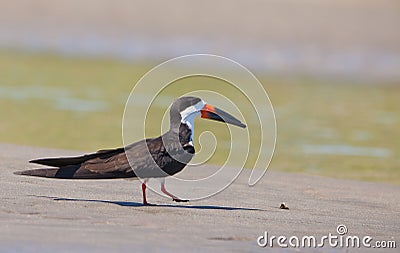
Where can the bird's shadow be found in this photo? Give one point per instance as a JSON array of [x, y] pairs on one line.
[[137, 204]]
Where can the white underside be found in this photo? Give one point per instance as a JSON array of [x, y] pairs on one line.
[[189, 115]]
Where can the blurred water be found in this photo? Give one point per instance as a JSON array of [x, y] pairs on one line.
[[275, 59], [346, 150], [358, 39]]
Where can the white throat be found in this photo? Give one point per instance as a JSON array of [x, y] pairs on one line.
[[189, 115]]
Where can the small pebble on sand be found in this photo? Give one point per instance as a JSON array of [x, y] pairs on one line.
[[283, 206]]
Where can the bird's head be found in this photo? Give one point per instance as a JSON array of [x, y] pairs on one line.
[[185, 109]]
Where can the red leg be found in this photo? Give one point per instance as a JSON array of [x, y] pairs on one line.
[[170, 194], [144, 192]]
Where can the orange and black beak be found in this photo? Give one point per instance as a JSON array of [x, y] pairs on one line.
[[211, 112]]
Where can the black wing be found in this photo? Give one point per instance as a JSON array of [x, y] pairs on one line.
[[65, 161], [104, 164], [149, 158]]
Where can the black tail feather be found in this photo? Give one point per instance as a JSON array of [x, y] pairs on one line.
[[60, 162], [67, 172], [65, 161], [52, 172], [73, 172]]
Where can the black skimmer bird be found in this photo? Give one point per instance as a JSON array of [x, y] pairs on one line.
[[151, 158]]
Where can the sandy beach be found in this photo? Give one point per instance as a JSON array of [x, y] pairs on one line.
[[42, 215]]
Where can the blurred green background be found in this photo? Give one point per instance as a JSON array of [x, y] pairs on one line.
[[66, 72]]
